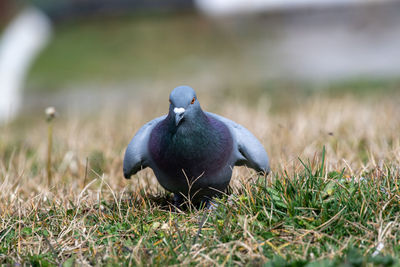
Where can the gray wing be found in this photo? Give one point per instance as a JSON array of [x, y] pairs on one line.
[[136, 154], [248, 151]]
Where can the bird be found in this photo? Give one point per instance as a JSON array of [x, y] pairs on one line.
[[192, 152]]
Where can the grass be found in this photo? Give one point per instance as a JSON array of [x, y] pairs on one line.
[[332, 197], [133, 49]]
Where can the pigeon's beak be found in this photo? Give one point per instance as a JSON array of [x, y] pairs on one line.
[[179, 112]]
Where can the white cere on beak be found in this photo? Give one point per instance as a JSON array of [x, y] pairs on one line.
[[179, 110]]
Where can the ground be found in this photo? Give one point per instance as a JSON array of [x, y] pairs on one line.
[[332, 196]]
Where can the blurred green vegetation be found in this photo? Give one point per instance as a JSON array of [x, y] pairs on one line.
[[183, 48], [129, 48]]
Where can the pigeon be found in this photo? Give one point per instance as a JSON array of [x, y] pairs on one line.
[[192, 152]]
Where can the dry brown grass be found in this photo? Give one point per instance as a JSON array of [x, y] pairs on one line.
[[359, 135]]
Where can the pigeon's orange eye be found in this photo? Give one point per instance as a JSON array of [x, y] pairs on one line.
[[194, 99]]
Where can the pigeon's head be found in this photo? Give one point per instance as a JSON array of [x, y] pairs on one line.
[[183, 104]]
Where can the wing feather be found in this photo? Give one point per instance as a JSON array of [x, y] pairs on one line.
[[249, 150], [136, 154]]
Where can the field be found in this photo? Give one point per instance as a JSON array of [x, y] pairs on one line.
[[332, 197]]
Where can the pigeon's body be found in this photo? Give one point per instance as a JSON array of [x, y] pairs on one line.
[[193, 152], [182, 154]]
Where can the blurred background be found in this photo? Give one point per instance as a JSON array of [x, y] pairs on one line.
[[83, 55]]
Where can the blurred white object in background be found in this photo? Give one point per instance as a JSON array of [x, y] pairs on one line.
[[22, 40], [231, 7], [316, 40]]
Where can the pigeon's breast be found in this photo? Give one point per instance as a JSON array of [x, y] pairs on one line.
[[198, 150]]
